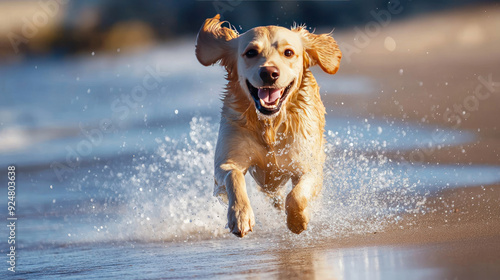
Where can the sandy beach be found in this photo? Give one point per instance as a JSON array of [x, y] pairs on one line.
[[429, 72]]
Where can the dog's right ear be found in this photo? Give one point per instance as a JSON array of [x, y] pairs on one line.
[[214, 42]]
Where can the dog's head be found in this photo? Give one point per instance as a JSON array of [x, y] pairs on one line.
[[268, 61]]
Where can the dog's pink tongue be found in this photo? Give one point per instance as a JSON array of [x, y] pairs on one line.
[[269, 95]]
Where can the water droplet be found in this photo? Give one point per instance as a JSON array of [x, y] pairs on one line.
[[390, 44]]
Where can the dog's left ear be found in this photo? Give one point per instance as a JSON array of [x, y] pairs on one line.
[[213, 43], [321, 50]]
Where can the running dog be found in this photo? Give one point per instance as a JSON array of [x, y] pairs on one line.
[[272, 119]]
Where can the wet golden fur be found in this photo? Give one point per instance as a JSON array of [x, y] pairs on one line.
[[274, 149]]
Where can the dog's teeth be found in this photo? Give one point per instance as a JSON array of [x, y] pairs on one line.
[[270, 106]]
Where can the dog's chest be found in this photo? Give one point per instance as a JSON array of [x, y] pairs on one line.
[[279, 158]]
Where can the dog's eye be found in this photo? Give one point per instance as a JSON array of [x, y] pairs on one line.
[[251, 53], [288, 53]]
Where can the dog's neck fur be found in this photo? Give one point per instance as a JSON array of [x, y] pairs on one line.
[[293, 118]]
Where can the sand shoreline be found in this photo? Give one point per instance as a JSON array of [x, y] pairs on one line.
[[439, 74], [460, 240], [419, 87]]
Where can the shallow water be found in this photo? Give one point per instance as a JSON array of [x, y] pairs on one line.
[[136, 200], [253, 258]]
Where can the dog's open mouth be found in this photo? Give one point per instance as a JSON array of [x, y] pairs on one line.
[[268, 100]]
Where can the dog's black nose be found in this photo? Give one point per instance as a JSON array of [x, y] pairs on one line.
[[269, 74]]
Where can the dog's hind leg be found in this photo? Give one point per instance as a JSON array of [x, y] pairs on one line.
[[297, 201]]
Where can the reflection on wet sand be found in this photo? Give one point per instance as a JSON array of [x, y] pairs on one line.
[[443, 260], [305, 263]]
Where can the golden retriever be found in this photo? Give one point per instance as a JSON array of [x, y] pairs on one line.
[[272, 119]]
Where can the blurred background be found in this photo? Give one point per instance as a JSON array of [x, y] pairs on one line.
[[61, 27]]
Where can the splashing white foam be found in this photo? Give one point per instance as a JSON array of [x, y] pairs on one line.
[[170, 195]]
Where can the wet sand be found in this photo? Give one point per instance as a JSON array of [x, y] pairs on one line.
[[458, 239], [461, 232]]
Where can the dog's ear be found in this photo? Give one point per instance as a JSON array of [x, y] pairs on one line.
[[321, 50], [213, 43]]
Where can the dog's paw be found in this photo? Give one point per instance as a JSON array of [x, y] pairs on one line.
[[297, 222], [297, 216], [241, 219]]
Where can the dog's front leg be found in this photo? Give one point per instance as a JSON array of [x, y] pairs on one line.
[[297, 213], [240, 215]]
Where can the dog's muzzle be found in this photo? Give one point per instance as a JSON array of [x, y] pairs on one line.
[[268, 100]]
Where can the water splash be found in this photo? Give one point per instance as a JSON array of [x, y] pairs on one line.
[[363, 193], [170, 194], [171, 191]]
